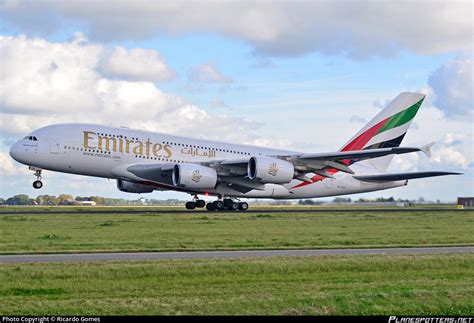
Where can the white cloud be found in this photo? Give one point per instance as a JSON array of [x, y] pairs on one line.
[[136, 64], [35, 94], [358, 29], [208, 73], [453, 151], [449, 156], [39, 76], [7, 166], [218, 103], [405, 163], [357, 119], [453, 88]]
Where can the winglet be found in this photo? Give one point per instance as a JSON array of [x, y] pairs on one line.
[[427, 149]]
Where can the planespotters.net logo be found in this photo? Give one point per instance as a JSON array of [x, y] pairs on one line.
[[395, 319]]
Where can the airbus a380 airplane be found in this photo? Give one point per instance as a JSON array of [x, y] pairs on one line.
[[143, 161]]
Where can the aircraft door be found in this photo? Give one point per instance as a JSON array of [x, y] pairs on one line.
[[54, 148], [328, 183]]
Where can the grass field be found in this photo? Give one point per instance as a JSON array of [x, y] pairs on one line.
[[31, 233], [440, 284], [385, 285]]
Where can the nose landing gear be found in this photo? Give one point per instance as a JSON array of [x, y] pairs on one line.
[[38, 183]]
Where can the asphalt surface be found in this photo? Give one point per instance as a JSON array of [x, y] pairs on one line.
[[224, 254], [284, 210]]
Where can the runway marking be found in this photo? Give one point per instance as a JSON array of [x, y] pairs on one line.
[[348, 210], [225, 254]]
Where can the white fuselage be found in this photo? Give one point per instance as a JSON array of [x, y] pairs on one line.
[[102, 151]]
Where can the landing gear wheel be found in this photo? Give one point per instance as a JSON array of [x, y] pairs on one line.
[[243, 206], [218, 205], [234, 206], [190, 205], [228, 203], [200, 203], [210, 207], [37, 184]]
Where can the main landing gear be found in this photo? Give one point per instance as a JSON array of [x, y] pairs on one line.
[[227, 205], [38, 183], [221, 204]]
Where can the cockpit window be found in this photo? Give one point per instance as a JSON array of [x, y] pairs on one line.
[[32, 138]]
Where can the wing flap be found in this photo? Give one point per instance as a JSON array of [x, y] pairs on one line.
[[400, 176]]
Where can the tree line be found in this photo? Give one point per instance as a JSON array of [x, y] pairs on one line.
[[66, 199]]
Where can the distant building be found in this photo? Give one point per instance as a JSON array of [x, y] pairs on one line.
[[402, 204], [466, 201], [88, 203]]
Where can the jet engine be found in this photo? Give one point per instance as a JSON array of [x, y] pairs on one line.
[[131, 187], [194, 176], [270, 170]]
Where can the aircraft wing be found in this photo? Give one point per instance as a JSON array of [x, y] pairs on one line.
[[234, 171], [322, 163], [400, 176]]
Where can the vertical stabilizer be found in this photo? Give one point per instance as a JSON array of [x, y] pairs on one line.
[[388, 128]]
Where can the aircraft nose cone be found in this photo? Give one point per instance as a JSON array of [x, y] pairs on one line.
[[14, 150]]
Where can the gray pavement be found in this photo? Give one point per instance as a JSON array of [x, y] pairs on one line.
[[223, 254]]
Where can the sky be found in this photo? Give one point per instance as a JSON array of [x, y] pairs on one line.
[[299, 75]]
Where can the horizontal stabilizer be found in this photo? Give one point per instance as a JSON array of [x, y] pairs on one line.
[[400, 176], [360, 154]]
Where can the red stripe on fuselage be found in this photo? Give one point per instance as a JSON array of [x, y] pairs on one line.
[[357, 144]]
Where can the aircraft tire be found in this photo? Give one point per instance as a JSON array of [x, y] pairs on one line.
[[234, 206], [190, 205], [218, 205], [37, 184], [200, 203], [243, 206]]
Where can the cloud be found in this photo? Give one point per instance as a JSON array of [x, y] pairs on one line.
[[39, 76], [358, 29], [378, 104], [7, 166], [207, 73], [136, 64], [452, 87], [449, 150], [218, 103], [357, 119], [36, 93], [453, 151]]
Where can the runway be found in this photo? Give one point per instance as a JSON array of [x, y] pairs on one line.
[[127, 256], [284, 210]]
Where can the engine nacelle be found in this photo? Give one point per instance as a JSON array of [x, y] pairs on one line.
[[270, 170], [194, 176], [131, 187]]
